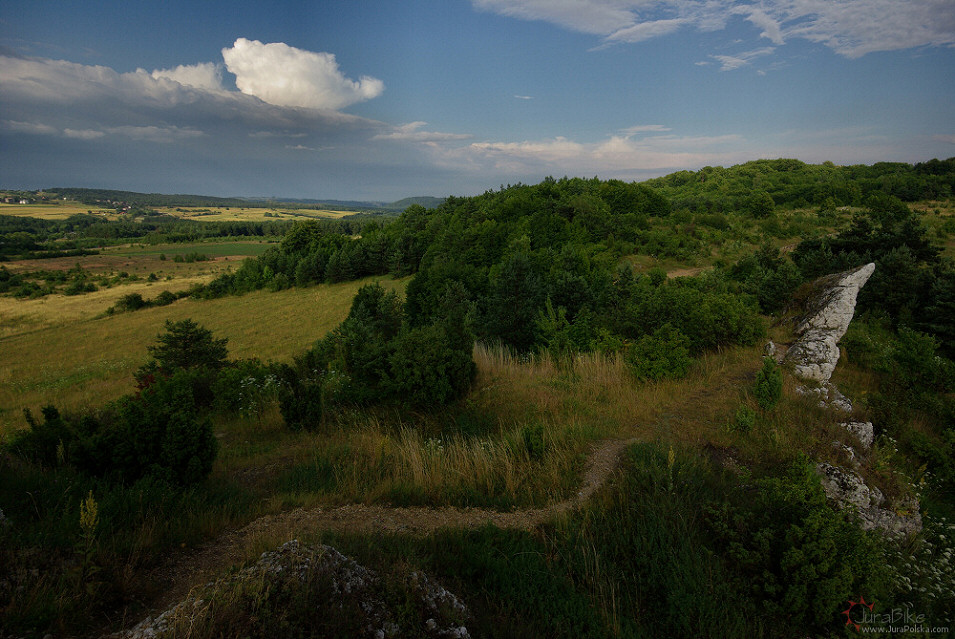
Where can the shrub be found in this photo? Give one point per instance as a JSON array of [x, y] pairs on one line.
[[666, 353], [158, 433], [797, 559], [744, 420], [426, 369], [245, 387], [165, 298], [301, 400], [186, 345], [769, 384], [131, 302]]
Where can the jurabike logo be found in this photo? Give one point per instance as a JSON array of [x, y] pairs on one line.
[[861, 616]]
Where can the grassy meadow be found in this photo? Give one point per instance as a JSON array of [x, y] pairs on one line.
[[64, 350]]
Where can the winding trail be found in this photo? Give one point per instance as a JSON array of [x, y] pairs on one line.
[[183, 571]]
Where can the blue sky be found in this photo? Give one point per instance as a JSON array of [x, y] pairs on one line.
[[382, 100]]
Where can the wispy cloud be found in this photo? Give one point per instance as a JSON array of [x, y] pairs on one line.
[[617, 156], [644, 128], [851, 28], [84, 134], [30, 128], [412, 132], [732, 62], [524, 97]]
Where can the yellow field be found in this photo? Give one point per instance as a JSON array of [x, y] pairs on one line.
[[249, 214], [60, 210], [73, 359]]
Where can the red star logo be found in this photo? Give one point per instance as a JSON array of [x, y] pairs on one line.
[[848, 611]]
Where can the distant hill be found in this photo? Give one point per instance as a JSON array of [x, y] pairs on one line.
[[110, 196], [426, 201]]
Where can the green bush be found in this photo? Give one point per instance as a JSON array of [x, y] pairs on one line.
[[743, 420], [666, 353], [426, 369], [157, 433], [796, 558], [768, 388], [185, 345], [131, 302], [165, 298], [245, 386]]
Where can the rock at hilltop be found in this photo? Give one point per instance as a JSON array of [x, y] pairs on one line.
[[317, 591], [827, 317]]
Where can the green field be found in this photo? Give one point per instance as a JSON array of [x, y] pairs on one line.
[[81, 361]]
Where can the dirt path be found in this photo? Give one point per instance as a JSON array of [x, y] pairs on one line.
[[175, 577]]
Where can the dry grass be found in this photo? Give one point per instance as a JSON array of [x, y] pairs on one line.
[[600, 392], [250, 214], [50, 211], [89, 361]]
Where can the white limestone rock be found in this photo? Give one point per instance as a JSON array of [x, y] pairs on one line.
[[863, 431], [815, 353], [847, 489], [829, 396]]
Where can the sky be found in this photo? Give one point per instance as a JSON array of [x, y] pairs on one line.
[[381, 100]]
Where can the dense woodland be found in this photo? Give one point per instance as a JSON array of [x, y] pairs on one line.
[[548, 270]]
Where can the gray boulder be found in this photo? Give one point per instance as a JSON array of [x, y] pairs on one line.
[[339, 578], [863, 431], [847, 489]]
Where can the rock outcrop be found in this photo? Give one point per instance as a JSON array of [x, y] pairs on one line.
[[815, 353], [339, 587], [813, 358], [847, 489]]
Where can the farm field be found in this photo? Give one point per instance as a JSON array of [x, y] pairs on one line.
[[62, 350], [58, 211], [251, 214]]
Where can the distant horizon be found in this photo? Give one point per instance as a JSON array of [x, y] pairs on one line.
[[370, 101], [346, 200]]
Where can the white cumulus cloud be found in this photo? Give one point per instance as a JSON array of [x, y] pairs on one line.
[[205, 75], [286, 76]]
